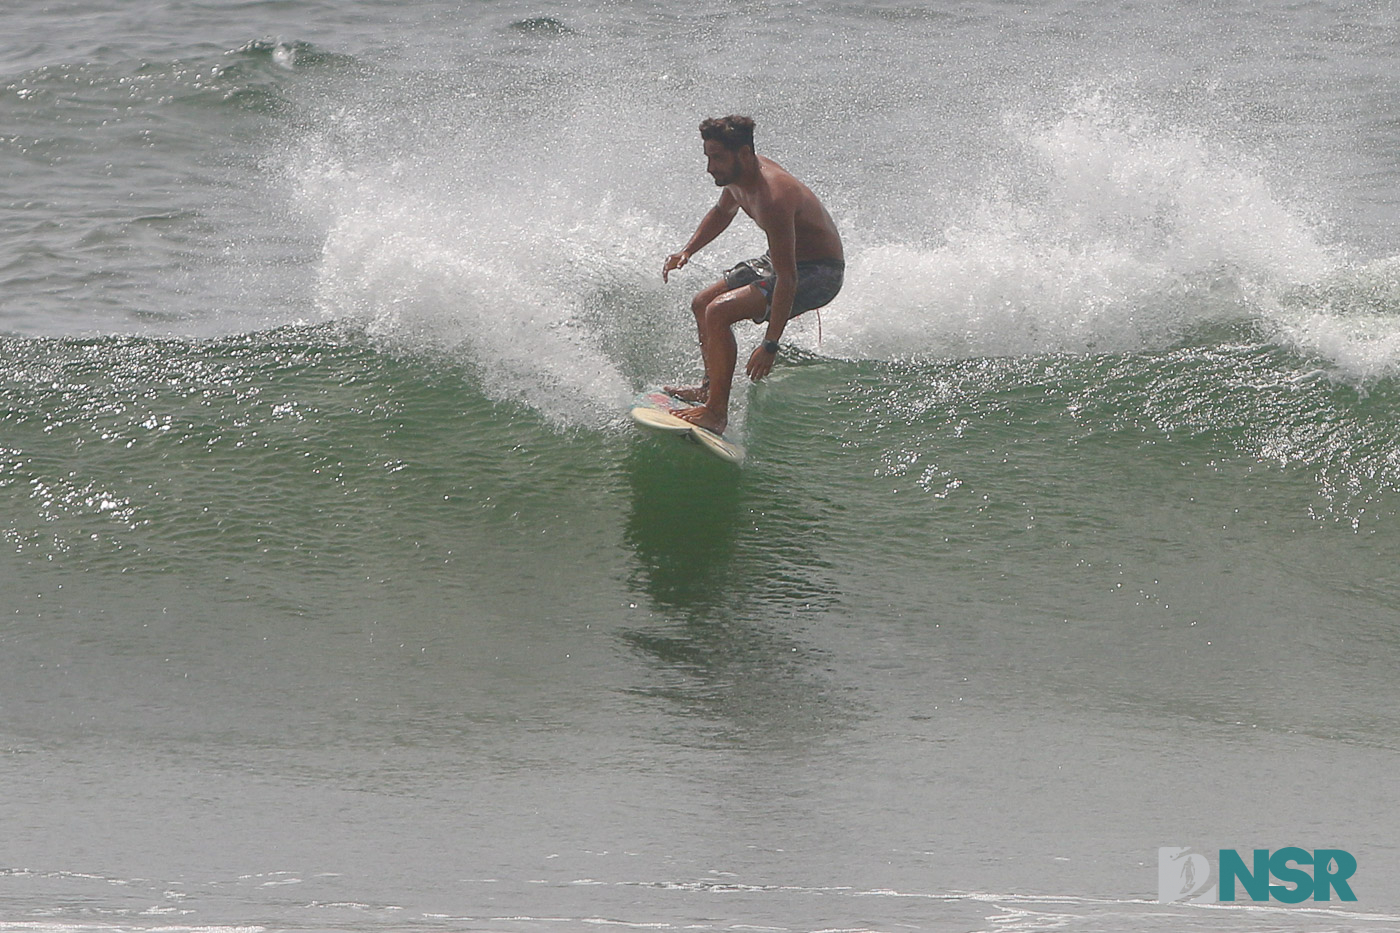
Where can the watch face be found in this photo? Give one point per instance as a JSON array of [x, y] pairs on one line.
[[771, 346]]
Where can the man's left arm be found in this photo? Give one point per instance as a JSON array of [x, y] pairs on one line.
[[782, 250]]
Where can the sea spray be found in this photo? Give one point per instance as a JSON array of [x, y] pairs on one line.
[[1110, 232]]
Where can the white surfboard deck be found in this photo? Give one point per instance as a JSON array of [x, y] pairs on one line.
[[655, 409]]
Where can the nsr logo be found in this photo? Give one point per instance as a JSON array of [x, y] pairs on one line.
[[1184, 875]]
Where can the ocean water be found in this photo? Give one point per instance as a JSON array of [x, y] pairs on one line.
[[340, 595]]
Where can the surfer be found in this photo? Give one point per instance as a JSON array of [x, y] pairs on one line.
[[802, 269]]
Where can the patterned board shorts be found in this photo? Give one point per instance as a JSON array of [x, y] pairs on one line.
[[818, 281]]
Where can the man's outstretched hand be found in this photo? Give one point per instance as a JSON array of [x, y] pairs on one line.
[[760, 363], [673, 262]]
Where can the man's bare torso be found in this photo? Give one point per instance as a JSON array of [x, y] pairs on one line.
[[765, 203]]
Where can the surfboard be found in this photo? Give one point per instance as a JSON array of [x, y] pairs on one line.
[[655, 409]]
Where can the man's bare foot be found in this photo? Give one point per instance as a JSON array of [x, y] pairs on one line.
[[702, 417], [700, 393]]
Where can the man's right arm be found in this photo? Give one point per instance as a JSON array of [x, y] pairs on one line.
[[715, 222]]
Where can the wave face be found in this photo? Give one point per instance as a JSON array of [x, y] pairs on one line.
[[316, 421], [340, 593]]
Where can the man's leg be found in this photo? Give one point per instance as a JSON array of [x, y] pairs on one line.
[[721, 352], [698, 304]]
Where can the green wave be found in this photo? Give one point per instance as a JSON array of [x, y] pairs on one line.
[[309, 444]]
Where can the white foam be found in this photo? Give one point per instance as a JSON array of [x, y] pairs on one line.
[[1351, 319], [454, 225], [1109, 233], [1099, 229], [499, 283]]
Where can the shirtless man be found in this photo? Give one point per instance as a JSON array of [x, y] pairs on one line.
[[802, 269]]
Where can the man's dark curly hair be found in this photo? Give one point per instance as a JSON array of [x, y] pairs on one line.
[[733, 132]]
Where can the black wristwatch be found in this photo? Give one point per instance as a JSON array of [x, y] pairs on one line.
[[771, 346]]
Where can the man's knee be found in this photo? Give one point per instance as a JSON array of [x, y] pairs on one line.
[[703, 299], [740, 304], [711, 313], [719, 306]]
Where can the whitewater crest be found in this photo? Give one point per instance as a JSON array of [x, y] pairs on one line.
[[1106, 232], [509, 288]]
